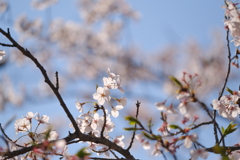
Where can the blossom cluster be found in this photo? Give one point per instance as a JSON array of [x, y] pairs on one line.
[[228, 105], [186, 91], [102, 95], [95, 124], [25, 125], [232, 21]]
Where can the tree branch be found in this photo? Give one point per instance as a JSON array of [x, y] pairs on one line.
[[44, 73]]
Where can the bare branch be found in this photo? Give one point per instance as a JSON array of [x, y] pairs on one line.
[[134, 132], [57, 80], [105, 120], [44, 73]]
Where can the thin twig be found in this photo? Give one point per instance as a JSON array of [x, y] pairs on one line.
[[7, 45], [114, 154], [226, 79], [8, 137], [134, 132], [57, 80], [71, 136], [44, 73], [105, 120]]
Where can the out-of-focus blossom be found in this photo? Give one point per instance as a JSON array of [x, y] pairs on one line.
[[195, 154], [190, 139], [2, 53], [43, 4], [118, 141]]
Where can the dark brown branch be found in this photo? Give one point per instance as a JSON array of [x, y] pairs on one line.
[[70, 137], [8, 137], [57, 80], [114, 154], [229, 148], [96, 158], [7, 45], [104, 122], [216, 127], [224, 86], [134, 132], [44, 73]]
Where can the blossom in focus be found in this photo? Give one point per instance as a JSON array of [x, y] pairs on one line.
[[227, 106], [116, 79], [233, 21], [79, 106], [2, 53], [22, 125], [102, 95], [29, 116], [121, 102], [42, 119]]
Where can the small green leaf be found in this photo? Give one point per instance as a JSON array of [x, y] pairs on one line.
[[176, 81], [149, 136], [82, 153], [96, 86], [173, 126], [132, 129], [223, 130], [157, 137], [230, 129], [150, 124], [229, 90], [132, 120]]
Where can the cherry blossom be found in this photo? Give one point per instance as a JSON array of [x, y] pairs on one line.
[[116, 79], [29, 116], [79, 106], [22, 125], [42, 119], [2, 53], [227, 106], [102, 95], [157, 151], [145, 143], [195, 154], [118, 141], [104, 148], [96, 121], [43, 4], [190, 139]]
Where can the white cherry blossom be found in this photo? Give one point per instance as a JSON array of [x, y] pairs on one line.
[[195, 154], [102, 95], [30, 115], [118, 141], [44, 119], [2, 53], [190, 139], [227, 106], [79, 106], [22, 125]]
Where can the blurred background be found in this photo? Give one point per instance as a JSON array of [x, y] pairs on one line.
[[142, 41]]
